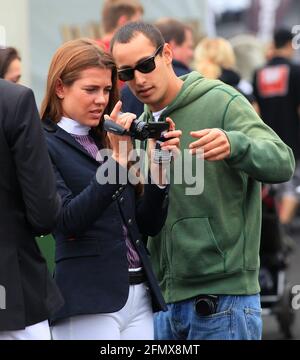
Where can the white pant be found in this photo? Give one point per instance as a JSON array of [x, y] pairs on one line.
[[38, 331], [133, 322]]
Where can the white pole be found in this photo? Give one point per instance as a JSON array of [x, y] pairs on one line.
[[2, 36], [2, 298], [267, 19]]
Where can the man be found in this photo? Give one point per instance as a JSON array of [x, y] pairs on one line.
[[277, 90], [180, 38], [207, 256], [116, 13], [29, 207]]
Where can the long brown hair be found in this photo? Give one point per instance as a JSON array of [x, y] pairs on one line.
[[67, 64]]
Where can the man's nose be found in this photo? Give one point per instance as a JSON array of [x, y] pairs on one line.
[[139, 77]]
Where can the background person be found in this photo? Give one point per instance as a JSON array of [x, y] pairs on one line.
[[116, 13], [215, 59], [277, 90], [10, 64]]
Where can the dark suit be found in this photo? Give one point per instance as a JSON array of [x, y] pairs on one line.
[[91, 262], [29, 206]]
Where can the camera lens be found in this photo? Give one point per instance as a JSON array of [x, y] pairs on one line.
[[139, 130]]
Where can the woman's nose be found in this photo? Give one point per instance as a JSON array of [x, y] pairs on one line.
[[100, 99]]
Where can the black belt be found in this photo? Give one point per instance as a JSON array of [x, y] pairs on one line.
[[137, 277]]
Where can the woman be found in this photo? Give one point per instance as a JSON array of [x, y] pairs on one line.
[[215, 59], [10, 64], [102, 265]]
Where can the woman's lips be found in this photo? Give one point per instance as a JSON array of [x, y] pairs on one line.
[[96, 113]]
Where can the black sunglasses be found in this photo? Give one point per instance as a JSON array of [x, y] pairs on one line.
[[145, 67]]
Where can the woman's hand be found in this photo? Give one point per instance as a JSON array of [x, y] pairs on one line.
[[121, 145]]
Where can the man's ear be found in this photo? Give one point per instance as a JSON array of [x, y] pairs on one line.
[[60, 89], [168, 53]]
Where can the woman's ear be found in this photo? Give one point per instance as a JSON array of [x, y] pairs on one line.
[[60, 89]]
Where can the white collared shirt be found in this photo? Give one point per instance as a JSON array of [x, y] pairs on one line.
[[156, 114], [73, 126]]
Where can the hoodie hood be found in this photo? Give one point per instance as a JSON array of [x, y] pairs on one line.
[[194, 86]]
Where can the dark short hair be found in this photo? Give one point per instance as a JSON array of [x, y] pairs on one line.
[[282, 37], [173, 30], [7, 56], [131, 30]]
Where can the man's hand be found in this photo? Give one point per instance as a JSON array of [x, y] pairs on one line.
[[172, 143], [213, 142]]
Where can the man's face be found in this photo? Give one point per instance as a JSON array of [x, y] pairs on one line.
[[151, 88], [184, 52], [13, 72]]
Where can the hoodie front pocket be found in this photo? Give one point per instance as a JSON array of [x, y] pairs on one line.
[[194, 249]]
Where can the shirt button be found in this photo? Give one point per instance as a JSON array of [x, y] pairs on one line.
[[121, 188], [121, 200], [117, 193], [130, 222], [114, 197], [138, 242]]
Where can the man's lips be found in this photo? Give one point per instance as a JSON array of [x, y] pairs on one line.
[[144, 91]]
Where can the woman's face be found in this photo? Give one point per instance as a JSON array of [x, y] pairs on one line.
[[86, 99], [13, 72]]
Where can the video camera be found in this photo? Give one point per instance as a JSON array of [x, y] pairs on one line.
[[139, 129]]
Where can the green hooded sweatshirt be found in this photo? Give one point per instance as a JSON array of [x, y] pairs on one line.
[[210, 242]]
